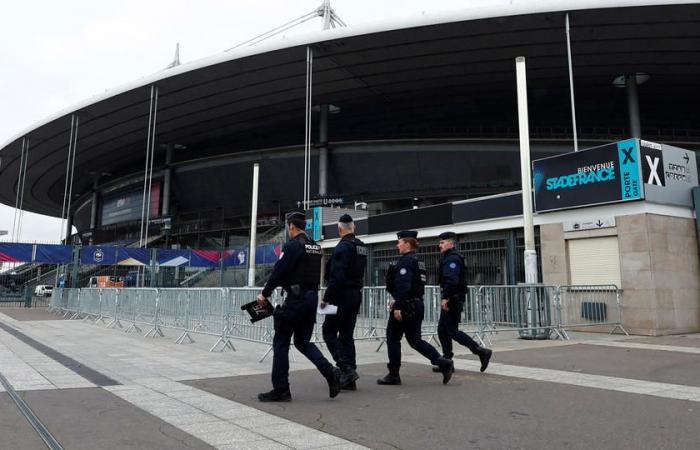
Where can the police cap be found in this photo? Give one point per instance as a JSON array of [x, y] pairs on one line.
[[407, 234], [345, 218], [447, 235]]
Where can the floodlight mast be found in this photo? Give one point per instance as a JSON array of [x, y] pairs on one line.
[[325, 11]]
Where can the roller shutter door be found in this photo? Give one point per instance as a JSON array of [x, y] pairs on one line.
[[594, 261]]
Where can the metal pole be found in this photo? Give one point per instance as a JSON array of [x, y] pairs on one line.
[[150, 169], [633, 106], [306, 124], [145, 170], [530, 253], [19, 184], [20, 216], [72, 174], [65, 187], [571, 84], [323, 151], [253, 226]]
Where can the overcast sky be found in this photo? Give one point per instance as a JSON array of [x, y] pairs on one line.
[[55, 54]]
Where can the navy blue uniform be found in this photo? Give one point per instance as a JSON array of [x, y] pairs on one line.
[[452, 282], [298, 271], [405, 283], [345, 271]]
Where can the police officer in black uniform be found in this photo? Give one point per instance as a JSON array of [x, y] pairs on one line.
[[405, 282], [298, 271], [453, 284], [345, 271]]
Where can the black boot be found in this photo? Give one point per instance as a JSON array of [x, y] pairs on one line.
[[437, 369], [392, 379], [484, 357], [348, 376], [333, 379], [275, 396], [447, 368], [351, 386]]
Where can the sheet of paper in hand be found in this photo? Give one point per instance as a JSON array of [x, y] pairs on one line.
[[257, 311]]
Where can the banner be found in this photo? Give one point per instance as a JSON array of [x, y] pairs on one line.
[[205, 258], [607, 174], [53, 254], [236, 257], [268, 254], [12, 252], [134, 257], [173, 258], [105, 256]]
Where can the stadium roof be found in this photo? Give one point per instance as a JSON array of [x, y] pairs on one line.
[[253, 97]]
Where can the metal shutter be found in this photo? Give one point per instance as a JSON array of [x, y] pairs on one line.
[[594, 261]]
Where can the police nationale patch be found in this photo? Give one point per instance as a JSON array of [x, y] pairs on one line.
[[402, 271], [453, 265]]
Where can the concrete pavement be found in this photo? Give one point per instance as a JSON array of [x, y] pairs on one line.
[[595, 391]]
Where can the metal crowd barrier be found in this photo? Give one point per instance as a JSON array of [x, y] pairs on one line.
[[585, 306], [533, 311]]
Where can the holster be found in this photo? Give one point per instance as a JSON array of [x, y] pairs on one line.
[[279, 317]]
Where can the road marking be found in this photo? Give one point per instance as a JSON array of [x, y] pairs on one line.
[[223, 423], [628, 385]]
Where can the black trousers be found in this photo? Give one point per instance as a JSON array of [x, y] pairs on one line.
[[299, 325], [339, 330], [411, 327], [448, 330]]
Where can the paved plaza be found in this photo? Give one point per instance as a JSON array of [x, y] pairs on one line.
[[94, 387]]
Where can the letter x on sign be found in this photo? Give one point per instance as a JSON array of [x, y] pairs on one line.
[[653, 170], [628, 155]]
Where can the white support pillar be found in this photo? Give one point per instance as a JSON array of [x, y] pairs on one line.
[[525, 172], [253, 226]]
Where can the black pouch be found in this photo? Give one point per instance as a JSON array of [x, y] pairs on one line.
[[409, 309], [280, 318]]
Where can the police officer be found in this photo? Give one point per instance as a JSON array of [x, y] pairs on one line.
[[345, 271], [298, 271], [405, 282], [453, 284]]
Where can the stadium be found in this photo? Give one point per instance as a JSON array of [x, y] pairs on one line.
[[405, 122]]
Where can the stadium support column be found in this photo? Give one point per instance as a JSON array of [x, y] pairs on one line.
[[253, 227], [633, 105], [94, 206], [323, 151], [525, 176], [167, 179]]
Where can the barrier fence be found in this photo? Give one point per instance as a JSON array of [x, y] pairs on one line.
[[533, 311]]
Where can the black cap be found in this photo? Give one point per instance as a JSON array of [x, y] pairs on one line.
[[296, 215], [345, 218], [447, 235], [407, 234]]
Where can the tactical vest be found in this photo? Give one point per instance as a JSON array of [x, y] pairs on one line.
[[307, 272], [462, 272], [420, 278], [358, 262]]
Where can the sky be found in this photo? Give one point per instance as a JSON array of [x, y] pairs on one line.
[[56, 54]]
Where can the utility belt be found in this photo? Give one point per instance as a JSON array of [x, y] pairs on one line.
[[296, 290]]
